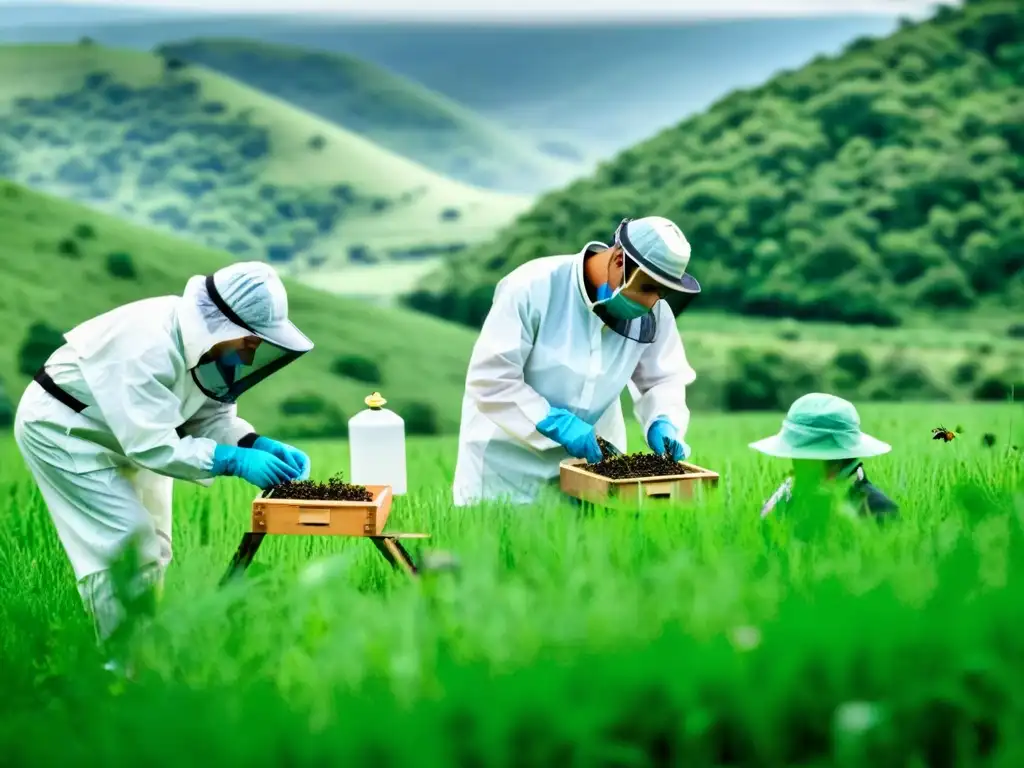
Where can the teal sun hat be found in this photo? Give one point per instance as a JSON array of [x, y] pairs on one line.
[[823, 427]]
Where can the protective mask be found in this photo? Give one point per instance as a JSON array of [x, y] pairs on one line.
[[231, 359], [228, 365], [619, 305]]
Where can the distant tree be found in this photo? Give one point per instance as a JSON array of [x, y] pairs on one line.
[[309, 415], [360, 254], [966, 372], [69, 248], [357, 367], [85, 231], [173, 64], [853, 363], [121, 265], [769, 381], [39, 343], [420, 418], [6, 408], [303, 405]]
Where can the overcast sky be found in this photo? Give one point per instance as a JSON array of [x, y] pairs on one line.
[[538, 9]]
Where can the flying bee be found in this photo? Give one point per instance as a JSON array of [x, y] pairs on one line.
[[943, 434]]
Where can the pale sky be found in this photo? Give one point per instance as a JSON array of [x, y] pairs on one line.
[[536, 9]]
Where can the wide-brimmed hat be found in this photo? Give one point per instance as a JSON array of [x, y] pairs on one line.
[[660, 249], [820, 426]]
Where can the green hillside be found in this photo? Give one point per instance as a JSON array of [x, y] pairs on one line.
[[63, 264], [885, 180], [191, 151], [392, 111]]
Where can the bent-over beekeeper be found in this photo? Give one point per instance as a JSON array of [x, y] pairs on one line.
[[145, 394], [564, 336]]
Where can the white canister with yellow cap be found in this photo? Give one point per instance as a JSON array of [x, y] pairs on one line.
[[376, 440]]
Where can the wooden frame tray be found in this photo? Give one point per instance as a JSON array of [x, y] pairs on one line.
[[323, 518], [577, 482], [309, 517]]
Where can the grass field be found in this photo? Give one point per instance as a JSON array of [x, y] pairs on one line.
[[693, 635], [392, 111], [63, 264], [194, 152]]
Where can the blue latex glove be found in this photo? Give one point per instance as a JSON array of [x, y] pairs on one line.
[[257, 467], [574, 434], [288, 454], [661, 429]]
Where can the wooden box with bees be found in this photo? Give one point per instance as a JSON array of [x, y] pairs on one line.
[[322, 517], [335, 509], [687, 481], [632, 478]]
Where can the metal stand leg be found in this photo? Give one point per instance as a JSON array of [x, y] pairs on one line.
[[389, 546], [243, 556], [396, 555]]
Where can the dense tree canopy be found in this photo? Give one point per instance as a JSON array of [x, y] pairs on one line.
[[888, 178]]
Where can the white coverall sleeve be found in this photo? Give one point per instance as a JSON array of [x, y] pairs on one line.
[[143, 413], [661, 378], [219, 422], [495, 377]]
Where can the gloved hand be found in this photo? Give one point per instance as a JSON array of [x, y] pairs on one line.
[[287, 453], [659, 431], [574, 434], [257, 467]]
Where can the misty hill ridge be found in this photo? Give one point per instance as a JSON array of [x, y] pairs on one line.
[[389, 110], [887, 180], [585, 89], [196, 153]]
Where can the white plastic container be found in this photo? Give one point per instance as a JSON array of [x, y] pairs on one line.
[[376, 440]]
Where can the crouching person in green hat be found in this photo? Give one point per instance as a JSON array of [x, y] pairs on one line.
[[821, 434]]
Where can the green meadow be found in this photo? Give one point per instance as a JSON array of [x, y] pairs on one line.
[[672, 634]]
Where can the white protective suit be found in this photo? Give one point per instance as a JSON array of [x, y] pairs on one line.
[[542, 346], [106, 472]]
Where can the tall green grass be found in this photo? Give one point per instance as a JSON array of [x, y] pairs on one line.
[[678, 635]]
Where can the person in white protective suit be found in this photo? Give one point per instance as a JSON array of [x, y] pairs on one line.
[[565, 334], [145, 394]]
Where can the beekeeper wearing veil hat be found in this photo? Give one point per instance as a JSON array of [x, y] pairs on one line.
[[145, 394], [821, 434], [565, 334]]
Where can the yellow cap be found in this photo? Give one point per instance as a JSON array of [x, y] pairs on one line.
[[375, 401]]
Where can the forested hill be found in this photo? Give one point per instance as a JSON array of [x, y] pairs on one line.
[[859, 187]]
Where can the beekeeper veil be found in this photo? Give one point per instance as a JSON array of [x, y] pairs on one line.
[[656, 247], [244, 299]]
